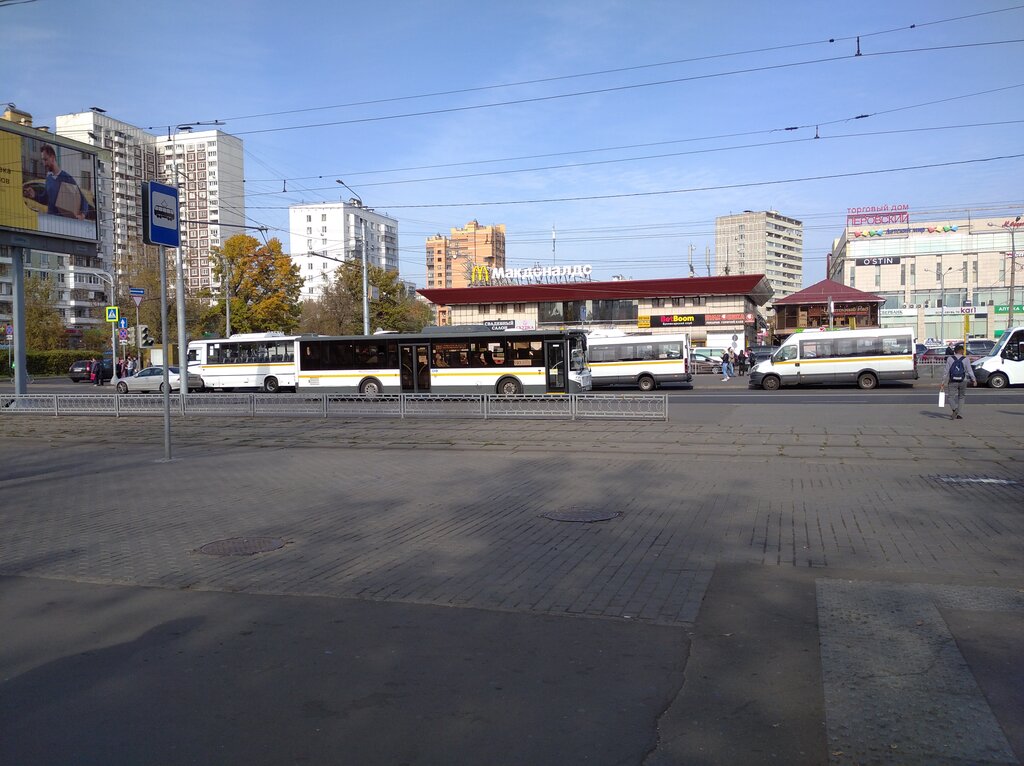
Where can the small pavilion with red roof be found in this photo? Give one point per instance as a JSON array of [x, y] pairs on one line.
[[826, 304]]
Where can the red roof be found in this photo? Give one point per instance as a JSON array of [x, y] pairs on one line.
[[825, 289], [755, 286]]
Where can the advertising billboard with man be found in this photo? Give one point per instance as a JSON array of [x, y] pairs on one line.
[[47, 184]]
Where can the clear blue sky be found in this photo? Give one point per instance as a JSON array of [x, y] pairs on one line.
[[153, 64]]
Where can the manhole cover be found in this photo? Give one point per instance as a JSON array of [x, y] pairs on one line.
[[580, 515], [242, 546]]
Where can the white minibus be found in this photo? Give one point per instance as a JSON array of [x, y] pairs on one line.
[[645, 361], [864, 357], [1004, 366]]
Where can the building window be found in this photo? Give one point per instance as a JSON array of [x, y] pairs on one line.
[[878, 276], [485, 308], [853, 276]]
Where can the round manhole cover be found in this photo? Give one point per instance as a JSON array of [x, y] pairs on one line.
[[580, 515], [242, 546]]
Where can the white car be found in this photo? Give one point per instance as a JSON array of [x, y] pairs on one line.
[[152, 379]]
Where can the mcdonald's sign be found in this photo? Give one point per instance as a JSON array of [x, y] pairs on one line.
[[480, 275]]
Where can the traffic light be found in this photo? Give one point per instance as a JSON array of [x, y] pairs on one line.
[[145, 339]]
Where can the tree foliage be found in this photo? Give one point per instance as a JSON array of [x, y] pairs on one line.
[[340, 309], [263, 283], [44, 328]]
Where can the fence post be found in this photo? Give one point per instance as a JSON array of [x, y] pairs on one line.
[[56, 405], [401, 406], [252, 405], [325, 405], [487, 404], [572, 406], [117, 404]]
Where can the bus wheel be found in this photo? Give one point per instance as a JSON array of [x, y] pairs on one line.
[[998, 380], [867, 381], [271, 386], [509, 387], [646, 383], [771, 383], [370, 387]]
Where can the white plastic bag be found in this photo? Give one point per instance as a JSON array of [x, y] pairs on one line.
[[942, 399]]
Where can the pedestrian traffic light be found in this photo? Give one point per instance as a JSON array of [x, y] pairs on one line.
[[145, 339]]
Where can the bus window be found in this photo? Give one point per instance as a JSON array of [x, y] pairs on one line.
[[819, 348], [785, 354]]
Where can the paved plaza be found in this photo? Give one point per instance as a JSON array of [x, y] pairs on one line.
[[819, 584]]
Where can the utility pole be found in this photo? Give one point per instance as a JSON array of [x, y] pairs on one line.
[[1013, 270]]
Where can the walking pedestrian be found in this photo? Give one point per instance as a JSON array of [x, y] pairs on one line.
[[954, 380], [97, 371], [130, 369], [725, 366], [949, 349], [741, 362]]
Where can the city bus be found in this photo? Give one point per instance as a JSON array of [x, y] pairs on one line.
[[447, 360], [864, 357], [245, 360], [645, 361]]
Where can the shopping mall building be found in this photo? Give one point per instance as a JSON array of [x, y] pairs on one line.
[[699, 305], [932, 274]]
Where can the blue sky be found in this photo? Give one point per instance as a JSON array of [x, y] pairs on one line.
[[655, 133]]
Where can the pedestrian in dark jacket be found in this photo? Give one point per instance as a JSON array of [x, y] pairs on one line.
[[954, 380], [97, 371]]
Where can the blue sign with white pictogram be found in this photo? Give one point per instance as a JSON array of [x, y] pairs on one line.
[[160, 214], [122, 323]]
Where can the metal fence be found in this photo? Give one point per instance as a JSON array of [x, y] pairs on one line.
[[567, 407]]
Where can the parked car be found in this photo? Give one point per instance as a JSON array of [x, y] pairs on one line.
[[980, 347], [81, 370], [152, 379], [702, 364], [976, 349], [760, 353]]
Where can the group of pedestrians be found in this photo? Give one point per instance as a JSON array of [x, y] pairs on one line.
[[734, 363], [124, 368], [127, 367]]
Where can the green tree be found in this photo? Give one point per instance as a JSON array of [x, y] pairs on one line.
[[263, 283], [44, 328], [340, 310]]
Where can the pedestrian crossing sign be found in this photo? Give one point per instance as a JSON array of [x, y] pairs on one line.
[[113, 313]]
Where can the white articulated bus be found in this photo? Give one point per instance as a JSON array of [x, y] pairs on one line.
[[864, 357], [1004, 366], [452, 360], [645, 361]]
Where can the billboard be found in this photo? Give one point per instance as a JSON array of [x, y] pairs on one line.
[[47, 184], [889, 221]]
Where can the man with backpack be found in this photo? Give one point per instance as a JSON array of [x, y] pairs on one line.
[[958, 371]]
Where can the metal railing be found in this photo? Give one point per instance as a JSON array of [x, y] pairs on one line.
[[323, 405]]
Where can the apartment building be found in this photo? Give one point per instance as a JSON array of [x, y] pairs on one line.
[[766, 243], [209, 171], [451, 260], [325, 234]]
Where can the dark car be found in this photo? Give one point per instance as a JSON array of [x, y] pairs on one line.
[[81, 370], [975, 350], [760, 353], [980, 347], [702, 364]]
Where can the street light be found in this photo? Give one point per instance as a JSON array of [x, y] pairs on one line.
[[113, 325], [942, 290], [362, 250], [1012, 226]]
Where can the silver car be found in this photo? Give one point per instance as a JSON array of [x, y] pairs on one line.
[[152, 379]]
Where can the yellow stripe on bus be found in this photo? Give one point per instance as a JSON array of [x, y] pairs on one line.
[[841, 359]]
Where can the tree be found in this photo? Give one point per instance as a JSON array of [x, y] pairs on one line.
[[44, 328], [263, 283], [340, 310]]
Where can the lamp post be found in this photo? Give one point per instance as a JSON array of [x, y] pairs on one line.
[[1012, 226], [362, 250], [942, 297], [113, 325]]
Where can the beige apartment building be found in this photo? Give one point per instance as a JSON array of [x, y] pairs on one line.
[[451, 260], [766, 243], [932, 274]]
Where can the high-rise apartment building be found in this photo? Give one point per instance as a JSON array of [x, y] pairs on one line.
[[208, 169], [761, 243], [451, 260], [324, 234]]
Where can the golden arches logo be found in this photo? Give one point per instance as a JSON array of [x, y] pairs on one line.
[[480, 274]]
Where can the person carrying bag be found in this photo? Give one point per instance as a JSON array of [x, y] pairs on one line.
[[954, 380]]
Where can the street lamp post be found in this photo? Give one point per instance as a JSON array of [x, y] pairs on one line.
[[942, 298], [362, 250], [113, 325]]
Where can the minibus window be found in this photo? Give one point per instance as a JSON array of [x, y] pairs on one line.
[[785, 354]]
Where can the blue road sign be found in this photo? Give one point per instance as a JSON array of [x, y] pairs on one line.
[[160, 214], [137, 291], [122, 323]]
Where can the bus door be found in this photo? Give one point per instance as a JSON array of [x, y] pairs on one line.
[[555, 366], [414, 359]]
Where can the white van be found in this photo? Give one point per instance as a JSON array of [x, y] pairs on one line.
[[864, 357], [1004, 366]]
